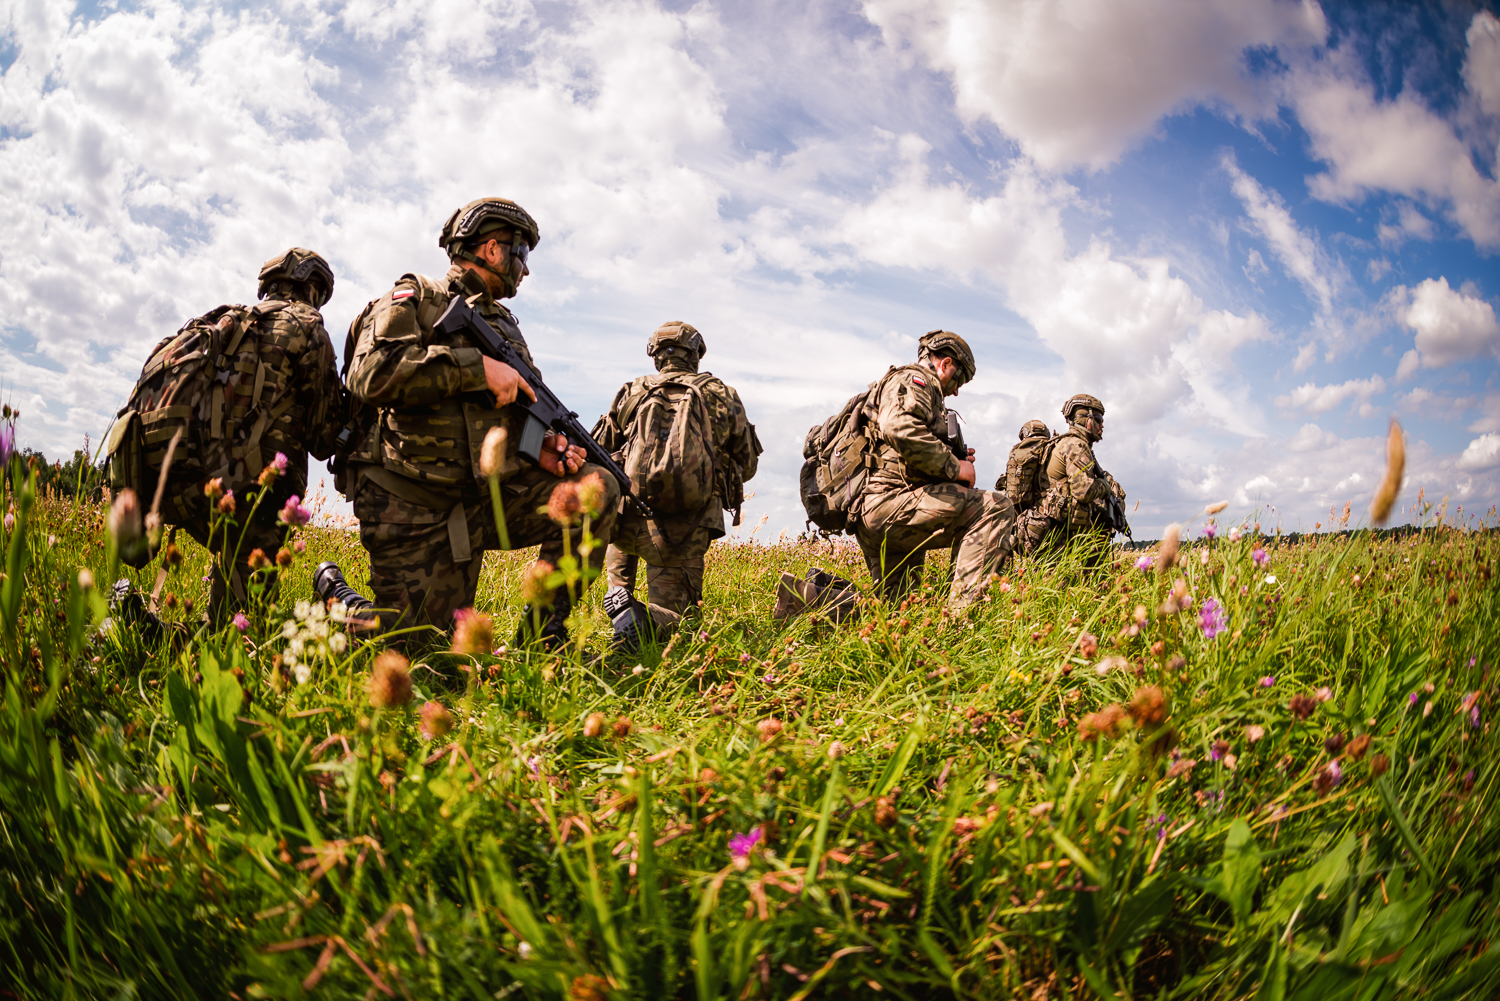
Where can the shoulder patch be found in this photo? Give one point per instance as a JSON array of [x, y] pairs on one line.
[[919, 380], [402, 293]]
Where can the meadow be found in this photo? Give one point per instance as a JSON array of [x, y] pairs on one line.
[[1269, 772]]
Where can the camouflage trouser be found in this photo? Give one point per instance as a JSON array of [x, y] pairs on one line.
[[674, 565], [416, 575], [226, 597], [898, 527], [1036, 533]]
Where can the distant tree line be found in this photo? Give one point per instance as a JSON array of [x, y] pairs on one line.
[[67, 479]]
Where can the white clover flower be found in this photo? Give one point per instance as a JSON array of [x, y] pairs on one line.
[[317, 612], [338, 642], [303, 673], [317, 630], [301, 609], [288, 629], [337, 611], [296, 646]]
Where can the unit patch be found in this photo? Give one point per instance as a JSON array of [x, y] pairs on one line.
[[919, 380], [402, 293]]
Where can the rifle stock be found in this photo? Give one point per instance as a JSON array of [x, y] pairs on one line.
[[547, 413]]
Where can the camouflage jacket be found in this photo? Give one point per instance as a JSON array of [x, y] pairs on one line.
[[734, 438], [1076, 481], [909, 427], [429, 392]]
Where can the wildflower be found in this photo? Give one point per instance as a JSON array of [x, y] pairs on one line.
[[1216, 507], [836, 750], [594, 725], [564, 506], [7, 443], [1236, 533], [435, 721], [125, 523], [172, 556], [1219, 749], [885, 813], [390, 681], [1254, 732], [1259, 556], [588, 987], [1328, 779], [744, 659], [299, 545], [276, 467], [1302, 706], [9, 521], [1106, 721], [741, 845], [283, 557], [473, 633], [302, 673], [1167, 552], [214, 488], [1270, 578], [534, 584], [492, 452], [292, 512], [240, 622], [769, 729], [1210, 530], [338, 643], [1379, 765], [1088, 645], [1358, 746], [1268, 681], [622, 727], [258, 559], [1145, 561], [1148, 707], [1109, 664], [591, 494], [1181, 767], [1323, 694], [85, 580], [1212, 618], [226, 503], [1412, 699], [1395, 469], [1427, 710]]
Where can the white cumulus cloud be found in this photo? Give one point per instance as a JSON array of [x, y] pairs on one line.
[[1483, 453], [1450, 324], [1314, 399]]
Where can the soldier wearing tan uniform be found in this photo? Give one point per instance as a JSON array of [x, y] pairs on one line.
[[424, 514], [920, 495], [1075, 484], [673, 545]]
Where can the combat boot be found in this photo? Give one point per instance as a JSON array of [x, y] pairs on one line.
[[819, 589], [553, 634], [127, 606], [330, 585], [631, 619]]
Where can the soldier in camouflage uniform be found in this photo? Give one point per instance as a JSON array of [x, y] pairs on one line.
[[429, 400], [1076, 486], [284, 397], [920, 495], [1024, 479], [673, 545]]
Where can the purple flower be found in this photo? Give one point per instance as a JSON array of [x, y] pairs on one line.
[[1413, 699], [1268, 681], [1335, 772], [240, 622], [1260, 556], [280, 463], [1218, 750], [1212, 618], [741, 845], [1210, 530], [7, 443], [293, 513], [1146, 562]]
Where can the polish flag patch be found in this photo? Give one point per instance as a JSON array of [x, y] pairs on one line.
[[402, 293], [919, 380]]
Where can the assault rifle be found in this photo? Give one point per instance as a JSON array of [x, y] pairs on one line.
[[954, 438], [1114, 515], [548, 412]]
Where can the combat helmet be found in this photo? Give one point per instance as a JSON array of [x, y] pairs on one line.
[[1082, 400], [677, 336], [1035, 429], [948, 343], [298, 265], [484, 215]]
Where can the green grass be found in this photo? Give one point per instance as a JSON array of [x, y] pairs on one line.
[[172, 825]]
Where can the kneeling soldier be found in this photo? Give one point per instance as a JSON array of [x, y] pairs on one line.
[[689, 449], [1076, 487], [428, 401], [921, 495]]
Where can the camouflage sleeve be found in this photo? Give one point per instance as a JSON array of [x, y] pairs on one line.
[[326, 402], [394, 366], [608, 432], [905, 417], [734, 435], [1085, 485]]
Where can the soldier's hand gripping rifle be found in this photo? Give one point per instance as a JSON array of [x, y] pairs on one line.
[[548, 412]]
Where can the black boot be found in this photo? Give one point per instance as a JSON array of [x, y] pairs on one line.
[[127, 606], [631, 619], [554, 624], [330, 585]]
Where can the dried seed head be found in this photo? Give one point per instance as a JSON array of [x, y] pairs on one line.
[[1395, 470], [1379, 765], [769, 729], [473, 633], [436, 721], [1358, 746], [1216, 507], [1166, 555], [1302, 706], [622, 727], [1088, 645], [1148, 707], [390, 681], [492, 452], [1106, 721], [594, 725], [885, 812]]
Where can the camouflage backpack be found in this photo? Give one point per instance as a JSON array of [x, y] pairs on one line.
[[669, 449], [211, 383], [1025, 479], [838, 460]]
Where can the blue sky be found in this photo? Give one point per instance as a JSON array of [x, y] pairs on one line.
[[1257, 229]]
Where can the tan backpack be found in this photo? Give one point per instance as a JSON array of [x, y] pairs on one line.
[[669, 449]]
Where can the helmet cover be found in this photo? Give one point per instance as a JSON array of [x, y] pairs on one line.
[[952, 345], [1082, 400], [482, 216], [298, 265], [677, 334], [1035, 429]]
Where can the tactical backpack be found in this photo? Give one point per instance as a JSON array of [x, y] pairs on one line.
[[208, 383], [838, 458], [1025, 479], [669, 449]]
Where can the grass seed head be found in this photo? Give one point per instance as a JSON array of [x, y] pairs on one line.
[[1216, 507], [492, 452], [1395, 471], [1166, 556]]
